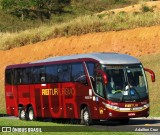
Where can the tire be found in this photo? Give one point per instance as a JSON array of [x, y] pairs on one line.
[[30, 114], [21, 113], [86, 117], [124, 121]]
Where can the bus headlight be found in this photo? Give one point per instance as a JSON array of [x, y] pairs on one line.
[[112, 107], [146, 106]]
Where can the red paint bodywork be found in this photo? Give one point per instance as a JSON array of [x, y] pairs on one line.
[[61, 106]]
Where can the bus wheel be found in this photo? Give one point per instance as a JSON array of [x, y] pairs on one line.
[[30, 114], [86, 117], [21, 113]]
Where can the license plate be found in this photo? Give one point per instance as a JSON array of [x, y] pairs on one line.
[[131, 114]]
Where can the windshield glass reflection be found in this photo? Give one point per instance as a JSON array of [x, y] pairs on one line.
[[126, 83]]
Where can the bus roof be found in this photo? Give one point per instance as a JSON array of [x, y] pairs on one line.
[[103, 58]]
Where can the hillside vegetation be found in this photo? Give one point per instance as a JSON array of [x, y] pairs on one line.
[[77, 18], [79, 26], [21, 15]]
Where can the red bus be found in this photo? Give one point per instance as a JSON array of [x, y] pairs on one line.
[[96, 86]]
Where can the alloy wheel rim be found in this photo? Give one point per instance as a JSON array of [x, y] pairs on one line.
[[86, 116], [31, 115], [22, 114]]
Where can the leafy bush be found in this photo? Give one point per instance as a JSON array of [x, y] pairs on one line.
[[145, 8]]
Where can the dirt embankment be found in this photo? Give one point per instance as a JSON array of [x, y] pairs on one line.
[[136, 42]]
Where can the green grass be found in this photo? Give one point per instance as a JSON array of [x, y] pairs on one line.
[[153, 62], [78, 26], [77, 133], [59, 127], [17, 122]]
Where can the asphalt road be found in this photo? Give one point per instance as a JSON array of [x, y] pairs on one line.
[[150, 121], [148, 125]]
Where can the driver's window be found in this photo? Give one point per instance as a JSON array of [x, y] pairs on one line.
[[99, 86], [91, 71], [78, 73]]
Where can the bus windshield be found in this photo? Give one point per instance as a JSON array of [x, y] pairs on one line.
[[126, 83]]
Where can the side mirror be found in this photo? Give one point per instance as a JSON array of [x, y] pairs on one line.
[[152, 74], [103, 74]]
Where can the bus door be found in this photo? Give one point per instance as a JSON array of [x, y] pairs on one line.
[[100, 91], [97, 86]]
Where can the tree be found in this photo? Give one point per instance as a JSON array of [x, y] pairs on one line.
[[17, 7], [47, 7], [38, 7]]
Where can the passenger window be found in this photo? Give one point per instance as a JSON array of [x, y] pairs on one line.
[[21, 76], [78, 74], [64, 73], [51, 73], [18, 76], [38, 75], [9, 76], [25, 75]]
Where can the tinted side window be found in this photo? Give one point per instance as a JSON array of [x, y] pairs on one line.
[[38, 75], [91, 70], [26, 75], [78, 73], [29, 75], [9, 76], [64, 73], [18, 76], [51, 73], [99, 86], [91, 67], [22, 76]]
